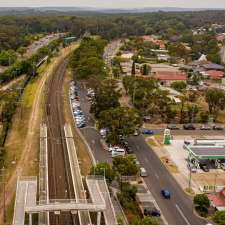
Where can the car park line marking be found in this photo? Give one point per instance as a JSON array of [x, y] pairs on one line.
[[182, 214]]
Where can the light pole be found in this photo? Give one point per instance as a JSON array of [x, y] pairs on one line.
[[215, 181]]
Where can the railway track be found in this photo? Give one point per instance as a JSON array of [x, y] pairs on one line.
[[60, 180]]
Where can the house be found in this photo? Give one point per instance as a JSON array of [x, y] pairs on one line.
[[218, 200], [163, 57], [166, 78], [213, 74], [154, 40], [127, 55], [213, 66]]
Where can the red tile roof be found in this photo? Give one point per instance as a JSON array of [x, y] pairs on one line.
[[166, 75], [215, 74], [216, 200]]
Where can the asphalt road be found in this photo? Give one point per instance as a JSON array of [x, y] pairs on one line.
[[192, 132], [179, 209]]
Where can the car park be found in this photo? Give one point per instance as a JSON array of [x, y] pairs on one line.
[[152, 212], [189, 126], [166, 194], [147, 131], [172, 127]]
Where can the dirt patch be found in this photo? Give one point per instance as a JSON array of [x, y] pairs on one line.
[[82, 151], [169, 164]]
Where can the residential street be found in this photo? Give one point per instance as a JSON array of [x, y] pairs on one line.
[[179, 209]]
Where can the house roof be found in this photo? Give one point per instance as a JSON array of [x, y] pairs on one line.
[[213, 66], [169, 75], [216, 200], [215, 74]]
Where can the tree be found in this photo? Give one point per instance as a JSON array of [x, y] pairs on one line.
[[125, 165], [103, 169], [106, 97], [7, 58], [146, 221], [177, 50], [204, 117], [192, 111], [119, 121], [179, 85], [133, 70], [216, 101], [145, 69], [219, 217], [202, 204], [21, 50]]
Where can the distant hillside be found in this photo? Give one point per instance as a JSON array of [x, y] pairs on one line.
[[87, 10]]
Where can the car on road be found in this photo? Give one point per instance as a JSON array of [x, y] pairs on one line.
[[147, 132], [143, 172], [205, 127], [189, 126], [166, 194], [204, 166], [172, 127], [152, 212], [215, 127]]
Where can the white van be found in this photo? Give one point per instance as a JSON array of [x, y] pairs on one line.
[[143, 172], [118, 152]]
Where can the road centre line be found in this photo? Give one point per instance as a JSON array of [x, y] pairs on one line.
[[182, 214]]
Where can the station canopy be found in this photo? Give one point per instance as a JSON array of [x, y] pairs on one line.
[[206, 152]]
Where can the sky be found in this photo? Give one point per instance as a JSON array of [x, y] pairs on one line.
[[116, 3]]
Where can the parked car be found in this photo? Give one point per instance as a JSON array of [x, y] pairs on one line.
[[204, 167], [189, 126], [152, 212], [118, 152], [125, 145], [172, 127], [143, 172], [192, 167], [205, 127], [165, 193], [136, 132], [147, 131], [217, 127], [222, 164]]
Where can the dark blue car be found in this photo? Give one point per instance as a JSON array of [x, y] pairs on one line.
[[166, 194], [147, 131]]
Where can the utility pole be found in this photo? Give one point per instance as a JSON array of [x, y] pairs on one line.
[[134, 92], [215, 181], [190, 178]]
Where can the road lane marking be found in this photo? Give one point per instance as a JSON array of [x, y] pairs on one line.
[[182, 214], [156, 175]]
